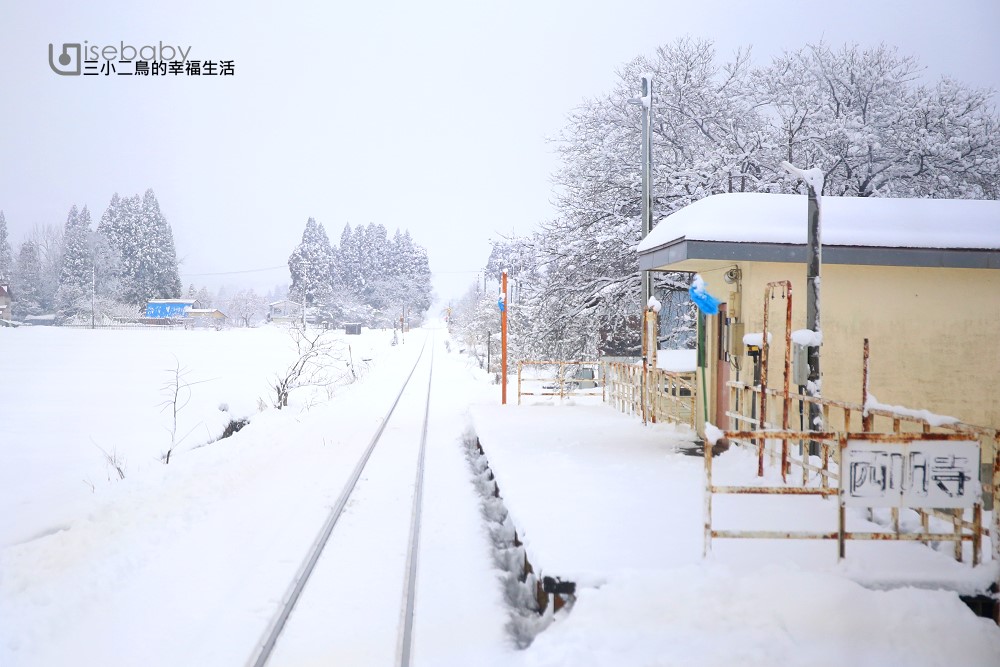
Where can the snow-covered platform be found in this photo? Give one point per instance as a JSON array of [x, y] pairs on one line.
[[604, 501], [593, 492]]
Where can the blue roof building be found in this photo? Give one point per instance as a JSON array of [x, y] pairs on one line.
[[166, 308]]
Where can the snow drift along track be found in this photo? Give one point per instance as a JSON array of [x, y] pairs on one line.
[[266, 648]]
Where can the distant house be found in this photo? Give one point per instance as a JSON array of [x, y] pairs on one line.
[[5, 302], [168, 308], [206, 314], [920, 278], [205, 317], [46, 320], [284, 311]]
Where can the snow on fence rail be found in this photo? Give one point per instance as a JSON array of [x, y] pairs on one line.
[[558, 378], [934, 442], [670, 395], [940, 458]]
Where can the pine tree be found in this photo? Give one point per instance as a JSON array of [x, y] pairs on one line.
[[6, 253], [349, 259], [140, 234], [76, 274], [26, 288], [310, 265], [165, 281]]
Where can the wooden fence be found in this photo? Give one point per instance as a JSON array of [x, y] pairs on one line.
[[669, 396], [558, 378]]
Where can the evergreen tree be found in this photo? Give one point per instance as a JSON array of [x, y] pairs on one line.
[[142, 238], [165, 281], [310, 265], [368, 278], [205, 298], [349, 259], [26, 288], [6, 253], [107, 267], [76, 274]]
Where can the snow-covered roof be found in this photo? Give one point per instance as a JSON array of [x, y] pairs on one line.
[[845, 221], [171, 301]]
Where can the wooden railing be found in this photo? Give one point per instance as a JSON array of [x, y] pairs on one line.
[[669, 396], [557, 378]]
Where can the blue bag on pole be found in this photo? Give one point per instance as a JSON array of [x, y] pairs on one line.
[[706, 303]]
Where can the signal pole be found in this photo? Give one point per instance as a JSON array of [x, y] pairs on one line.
[[503, 338]]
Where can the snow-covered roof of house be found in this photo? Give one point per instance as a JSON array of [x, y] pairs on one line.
[[779, 220], [171, 301]]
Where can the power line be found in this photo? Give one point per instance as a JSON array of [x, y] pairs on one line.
[[285, 266], [230, 273]]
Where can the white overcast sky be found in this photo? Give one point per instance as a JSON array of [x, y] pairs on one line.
[[429, 116]]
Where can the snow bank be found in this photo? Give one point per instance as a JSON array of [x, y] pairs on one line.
[[717, 616]]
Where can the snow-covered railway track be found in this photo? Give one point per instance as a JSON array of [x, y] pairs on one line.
[[383, 498]]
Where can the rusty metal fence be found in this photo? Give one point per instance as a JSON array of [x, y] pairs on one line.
[[820, 474], [966, 524], [668, 395]]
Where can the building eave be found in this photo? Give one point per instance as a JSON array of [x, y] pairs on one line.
[[668, 256]]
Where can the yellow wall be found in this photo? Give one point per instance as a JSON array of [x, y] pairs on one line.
[[933, 333]]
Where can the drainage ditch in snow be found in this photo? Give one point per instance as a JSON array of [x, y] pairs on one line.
[[533, 599]]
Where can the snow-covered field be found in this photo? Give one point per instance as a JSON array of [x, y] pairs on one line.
[[184, 563]]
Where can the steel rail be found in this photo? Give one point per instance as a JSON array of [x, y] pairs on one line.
[[410, 583], [266, 647]]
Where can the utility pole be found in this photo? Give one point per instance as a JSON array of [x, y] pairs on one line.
[[813, 179], [93, 296], [503, 338], [647, 168], [645, 277]]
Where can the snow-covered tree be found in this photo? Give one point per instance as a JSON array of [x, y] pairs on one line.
[[474, 321], [26, 293], [143, 241], [6, 253], [245, 307], [165, 282], [348, 270], [205, 298], [77, 273], [310, 265], [48, 242], [857, 114]]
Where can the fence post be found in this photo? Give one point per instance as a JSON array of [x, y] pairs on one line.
[[841, 514], [519, 365], [995, 535], [707, 540]]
